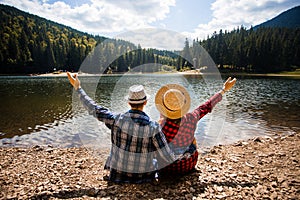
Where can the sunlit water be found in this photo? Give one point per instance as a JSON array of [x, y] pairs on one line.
[[44, 110]]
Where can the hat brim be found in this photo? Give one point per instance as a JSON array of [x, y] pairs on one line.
[[137, 101], [171, 114]]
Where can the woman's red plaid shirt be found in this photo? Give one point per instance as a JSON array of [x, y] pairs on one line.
[[180, 136]]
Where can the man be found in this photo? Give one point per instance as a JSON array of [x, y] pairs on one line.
[[136, 140]]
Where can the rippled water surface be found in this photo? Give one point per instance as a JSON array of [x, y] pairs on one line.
[[44, 110]]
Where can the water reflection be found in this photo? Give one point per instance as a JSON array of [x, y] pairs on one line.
[[33, 104], [43, 110]]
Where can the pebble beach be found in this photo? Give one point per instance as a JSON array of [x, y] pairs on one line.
[[258, 168]]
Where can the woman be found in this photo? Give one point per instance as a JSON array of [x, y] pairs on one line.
[[179, 125]]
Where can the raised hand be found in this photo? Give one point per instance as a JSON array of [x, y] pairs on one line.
[[74, 80], [229, 84]]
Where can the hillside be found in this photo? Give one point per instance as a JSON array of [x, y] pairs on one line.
[[31, 44], [273, 46], [287, 19]]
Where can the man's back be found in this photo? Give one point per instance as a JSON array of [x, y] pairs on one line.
[[132, 142], [136, 141]]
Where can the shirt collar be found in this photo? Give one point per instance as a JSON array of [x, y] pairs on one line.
[[140, 113], [137, 111]]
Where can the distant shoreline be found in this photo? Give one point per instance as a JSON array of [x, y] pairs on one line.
[[190, 72]]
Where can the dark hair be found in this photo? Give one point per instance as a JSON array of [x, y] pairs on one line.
[[175, 121], [136, 105]]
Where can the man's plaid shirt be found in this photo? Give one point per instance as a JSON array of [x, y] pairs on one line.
[[136, 141], [180, 136]]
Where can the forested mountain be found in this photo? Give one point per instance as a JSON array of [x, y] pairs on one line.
[[260, 51], [270, 47], [287, 19], [31, 44]]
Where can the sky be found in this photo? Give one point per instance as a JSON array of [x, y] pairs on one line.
[[192, 18]]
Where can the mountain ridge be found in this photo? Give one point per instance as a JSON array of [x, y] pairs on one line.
[[287, 19], [31, 44], [9, 8]]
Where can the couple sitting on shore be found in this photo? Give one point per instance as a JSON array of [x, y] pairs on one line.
[[142, 147]]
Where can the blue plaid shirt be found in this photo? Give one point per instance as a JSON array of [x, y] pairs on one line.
[[136, 142]]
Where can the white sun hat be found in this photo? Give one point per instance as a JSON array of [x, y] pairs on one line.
[[137, 94]]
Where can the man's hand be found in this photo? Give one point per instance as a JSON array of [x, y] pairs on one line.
[[229, 84], [74, 80]]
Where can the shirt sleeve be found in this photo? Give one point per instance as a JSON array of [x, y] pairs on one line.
[[207, 107], [163, 149], [101, 113]]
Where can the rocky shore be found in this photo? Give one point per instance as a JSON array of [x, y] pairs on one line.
[[259, 168]]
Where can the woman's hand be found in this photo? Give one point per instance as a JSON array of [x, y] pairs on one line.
[[228, 84], [74, 80]]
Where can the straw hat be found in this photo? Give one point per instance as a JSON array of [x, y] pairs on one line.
[[173, 101], [137, 94]]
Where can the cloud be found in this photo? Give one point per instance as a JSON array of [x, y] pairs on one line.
[[155, 38], [99, 16], [230, 14], [114, 17]]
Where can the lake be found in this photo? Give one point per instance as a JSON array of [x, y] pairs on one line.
[[44, 110]]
